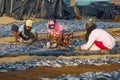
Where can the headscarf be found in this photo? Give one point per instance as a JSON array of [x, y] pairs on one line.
[[90, 27], [57, 29]]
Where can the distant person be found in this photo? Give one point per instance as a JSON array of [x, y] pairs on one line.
[[97, 39], [26, 32], [56, 35]]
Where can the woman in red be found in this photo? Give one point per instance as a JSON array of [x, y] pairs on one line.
[[54, 33]]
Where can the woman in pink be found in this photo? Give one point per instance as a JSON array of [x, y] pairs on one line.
[[54, 33], [97, 39]]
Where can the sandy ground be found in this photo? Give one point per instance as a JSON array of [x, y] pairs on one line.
[[27, 57], [38, 72], [6, 20]]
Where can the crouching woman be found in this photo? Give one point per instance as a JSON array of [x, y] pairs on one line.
[[97, 39], [56, 36]]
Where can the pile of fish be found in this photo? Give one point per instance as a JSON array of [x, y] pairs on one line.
[[69, 25], [115, 75], [56, 62], [39, 48]]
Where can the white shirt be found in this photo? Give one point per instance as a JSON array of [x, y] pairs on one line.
[[99, 35]]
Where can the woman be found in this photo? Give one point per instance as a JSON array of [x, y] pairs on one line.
[[56, 36], [97, 39]]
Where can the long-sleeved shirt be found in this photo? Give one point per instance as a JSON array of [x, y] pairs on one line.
[[99, 35]]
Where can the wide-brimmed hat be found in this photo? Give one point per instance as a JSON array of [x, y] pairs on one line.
[[29, 23]]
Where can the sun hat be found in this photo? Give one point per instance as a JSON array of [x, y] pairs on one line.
[[29, 23]]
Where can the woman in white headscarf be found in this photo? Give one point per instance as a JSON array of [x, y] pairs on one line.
[[56, 35]]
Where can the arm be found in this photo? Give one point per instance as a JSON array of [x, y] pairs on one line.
[[16, 36], [48, 37], [60, 37], [16, 32], [35, 36], [48, 41], [32, 39], [90, 42]]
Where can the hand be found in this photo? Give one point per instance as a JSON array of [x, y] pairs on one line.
[[20, 40], [29, 41], [16, 40], [48, 45], [54, 45]]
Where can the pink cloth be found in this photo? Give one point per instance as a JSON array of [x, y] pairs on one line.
[[57, 29]]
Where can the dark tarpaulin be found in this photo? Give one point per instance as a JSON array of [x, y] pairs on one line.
[[36, 8], [94, 9], [2, 7], [45, 8], [105, 10], [21, 9], [68, 13], [8, 7], [24, 9], [89, 11], [53, 9], [101, 10], [76, 11], [110, 12], [12, 7]]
